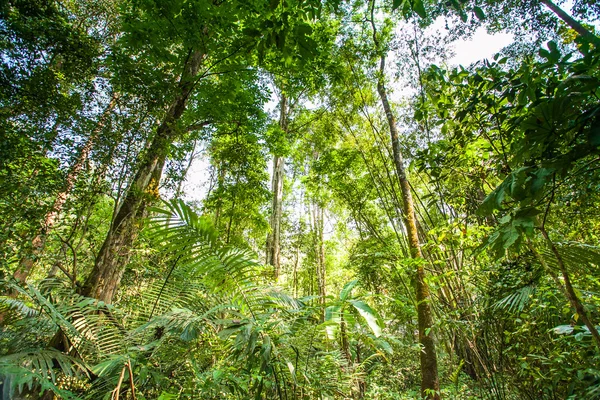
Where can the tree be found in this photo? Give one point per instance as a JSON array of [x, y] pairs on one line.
[[48, 63], [278, 172], [429, 374], [213, 47]]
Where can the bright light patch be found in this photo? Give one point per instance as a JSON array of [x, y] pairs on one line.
[[482, 45]]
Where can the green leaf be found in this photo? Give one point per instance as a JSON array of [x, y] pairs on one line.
[[385, 346], [563, 329], [510, 237], [292, 371], [348, 289], [368, 314], [540, 179], [217, 375], [419, 8], [544, 53], [493, 201], [168, 396], [479, 13], [332, 313]]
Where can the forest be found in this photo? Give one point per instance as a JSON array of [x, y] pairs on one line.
[[299, 199]]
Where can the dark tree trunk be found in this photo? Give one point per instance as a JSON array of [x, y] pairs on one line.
[[573, 23], [113, 257]]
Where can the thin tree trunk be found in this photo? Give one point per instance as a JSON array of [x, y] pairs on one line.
[[570, 291], [232, 212], [295, 277], [274, 237], [573, 23], [430, 386], [113, 257], [27, 262], [322, 271], [429, 372], [547, 268], [220, 184], [319, 248], [362, 383], [179, 190]]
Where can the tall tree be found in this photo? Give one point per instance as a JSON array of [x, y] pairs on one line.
[[48, 63], [223, 42], [278, 172], [110, 263], [430, 385]]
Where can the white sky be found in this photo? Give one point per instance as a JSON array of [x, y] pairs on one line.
[[482, 45]]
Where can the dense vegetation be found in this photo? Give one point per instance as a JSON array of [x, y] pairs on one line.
[[372, 223]]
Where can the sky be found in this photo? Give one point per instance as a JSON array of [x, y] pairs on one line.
[[480, 46]]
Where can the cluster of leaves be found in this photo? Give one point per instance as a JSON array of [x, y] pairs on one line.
[[538, 121]]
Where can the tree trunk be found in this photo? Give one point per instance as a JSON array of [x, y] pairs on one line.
[[429, 371], [362, 383], [322, 272], [573, 23], [570, 291], [274, 237], [220, 185], [113, 257], [27, 263], [179, 190], [319, 248], [295, 274], [345, 344]]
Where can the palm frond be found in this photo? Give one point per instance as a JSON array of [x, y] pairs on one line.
[[38, 367], [517, 300]]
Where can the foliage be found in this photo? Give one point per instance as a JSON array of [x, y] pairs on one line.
[[100, 103]]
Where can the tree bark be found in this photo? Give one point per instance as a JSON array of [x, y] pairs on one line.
[[114, 254], [27, 262], [573, 23], [274, 236], [430, 386]]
